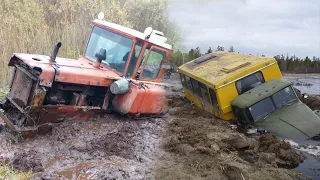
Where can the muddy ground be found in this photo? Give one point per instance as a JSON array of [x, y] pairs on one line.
[[184, 144]]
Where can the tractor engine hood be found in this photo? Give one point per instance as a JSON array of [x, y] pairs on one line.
[[81, 71]]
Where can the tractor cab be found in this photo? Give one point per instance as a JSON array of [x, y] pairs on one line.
[[129, 53]]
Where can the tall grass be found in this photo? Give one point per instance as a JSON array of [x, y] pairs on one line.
[[34, 26]]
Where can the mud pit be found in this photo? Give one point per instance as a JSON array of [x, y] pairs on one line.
[[112, 147], [184, 144]]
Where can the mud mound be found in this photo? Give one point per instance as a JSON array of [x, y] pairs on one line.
[[282, 150], [312, 101]]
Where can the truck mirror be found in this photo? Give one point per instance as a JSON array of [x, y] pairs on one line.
[[101, 55]]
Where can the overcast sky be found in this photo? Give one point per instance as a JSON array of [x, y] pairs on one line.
[[267, 27]]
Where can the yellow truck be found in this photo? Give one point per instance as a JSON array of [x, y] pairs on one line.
[[214, 80]]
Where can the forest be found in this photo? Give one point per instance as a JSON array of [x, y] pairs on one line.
[[287, 64]]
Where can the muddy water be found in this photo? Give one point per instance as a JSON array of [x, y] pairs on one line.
[[305, 83], [311, 150]]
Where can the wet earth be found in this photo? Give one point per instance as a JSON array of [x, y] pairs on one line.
[[186, 143]]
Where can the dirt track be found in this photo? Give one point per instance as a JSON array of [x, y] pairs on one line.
[[184, 144]]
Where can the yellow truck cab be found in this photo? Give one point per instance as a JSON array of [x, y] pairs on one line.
[[214, 80]]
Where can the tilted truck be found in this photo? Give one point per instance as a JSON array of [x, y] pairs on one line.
[[275, 107], [121, 71], [250, 90]]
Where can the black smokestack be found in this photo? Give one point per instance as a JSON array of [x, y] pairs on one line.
[[55, 52]]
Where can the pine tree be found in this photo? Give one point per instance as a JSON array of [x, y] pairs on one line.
[[209, 51], [231, 49]]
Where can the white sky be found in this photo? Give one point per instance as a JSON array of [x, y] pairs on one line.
[[267, 27]]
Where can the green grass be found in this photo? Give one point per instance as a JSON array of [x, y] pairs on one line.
[[3, 93], [8, 173]]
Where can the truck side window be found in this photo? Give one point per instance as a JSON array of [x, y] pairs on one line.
[[249, 82], [196, 88], [183, 81], [188, 83], [153, 64], [204, 92], [214, 100]]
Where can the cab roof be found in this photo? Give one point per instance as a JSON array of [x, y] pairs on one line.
[[259, 93], [218, 67], [133, 32]]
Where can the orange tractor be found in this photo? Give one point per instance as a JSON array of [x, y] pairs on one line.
[[121, 71]]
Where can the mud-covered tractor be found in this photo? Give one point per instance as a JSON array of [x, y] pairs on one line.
[[121, 71]]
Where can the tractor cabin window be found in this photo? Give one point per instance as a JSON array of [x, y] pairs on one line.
[[115, 48], [249, 82], [134, 58], [153, 64]]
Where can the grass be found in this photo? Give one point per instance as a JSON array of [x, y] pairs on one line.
[[7, 173], [3, 93]]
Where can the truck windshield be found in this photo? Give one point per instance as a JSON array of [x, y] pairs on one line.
[[262, 109], [117, 48], [284, 97], [266, 106]]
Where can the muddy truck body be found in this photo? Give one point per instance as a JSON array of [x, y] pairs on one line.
[[275, 107], [122, 71]]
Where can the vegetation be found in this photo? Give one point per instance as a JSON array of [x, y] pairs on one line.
[[8, 173], [288, 64], [35, 26], [294, 64]]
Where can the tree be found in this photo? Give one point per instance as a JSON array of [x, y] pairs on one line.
[[231, 49], [220, 48], [209, 51], [191, 55], [197, 53]]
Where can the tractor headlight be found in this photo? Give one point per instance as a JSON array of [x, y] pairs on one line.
[[120, 86]]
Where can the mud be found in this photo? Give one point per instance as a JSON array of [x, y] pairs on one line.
[[112, 147], [203, 147], [313, 101], [186, 143]]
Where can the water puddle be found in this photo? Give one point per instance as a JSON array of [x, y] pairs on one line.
[[311, 150], [307, 84]]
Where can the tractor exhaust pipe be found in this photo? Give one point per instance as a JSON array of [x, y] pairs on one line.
[[55, 52]]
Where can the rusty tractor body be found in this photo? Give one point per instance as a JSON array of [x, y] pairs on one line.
[[121, 71]]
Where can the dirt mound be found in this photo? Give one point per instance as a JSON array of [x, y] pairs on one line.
[[313, 101], [282, 150]]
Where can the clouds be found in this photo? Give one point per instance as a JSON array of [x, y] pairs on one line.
[[268, 27]]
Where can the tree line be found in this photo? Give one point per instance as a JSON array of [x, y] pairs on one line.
[[179, 57], [289, 64]]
